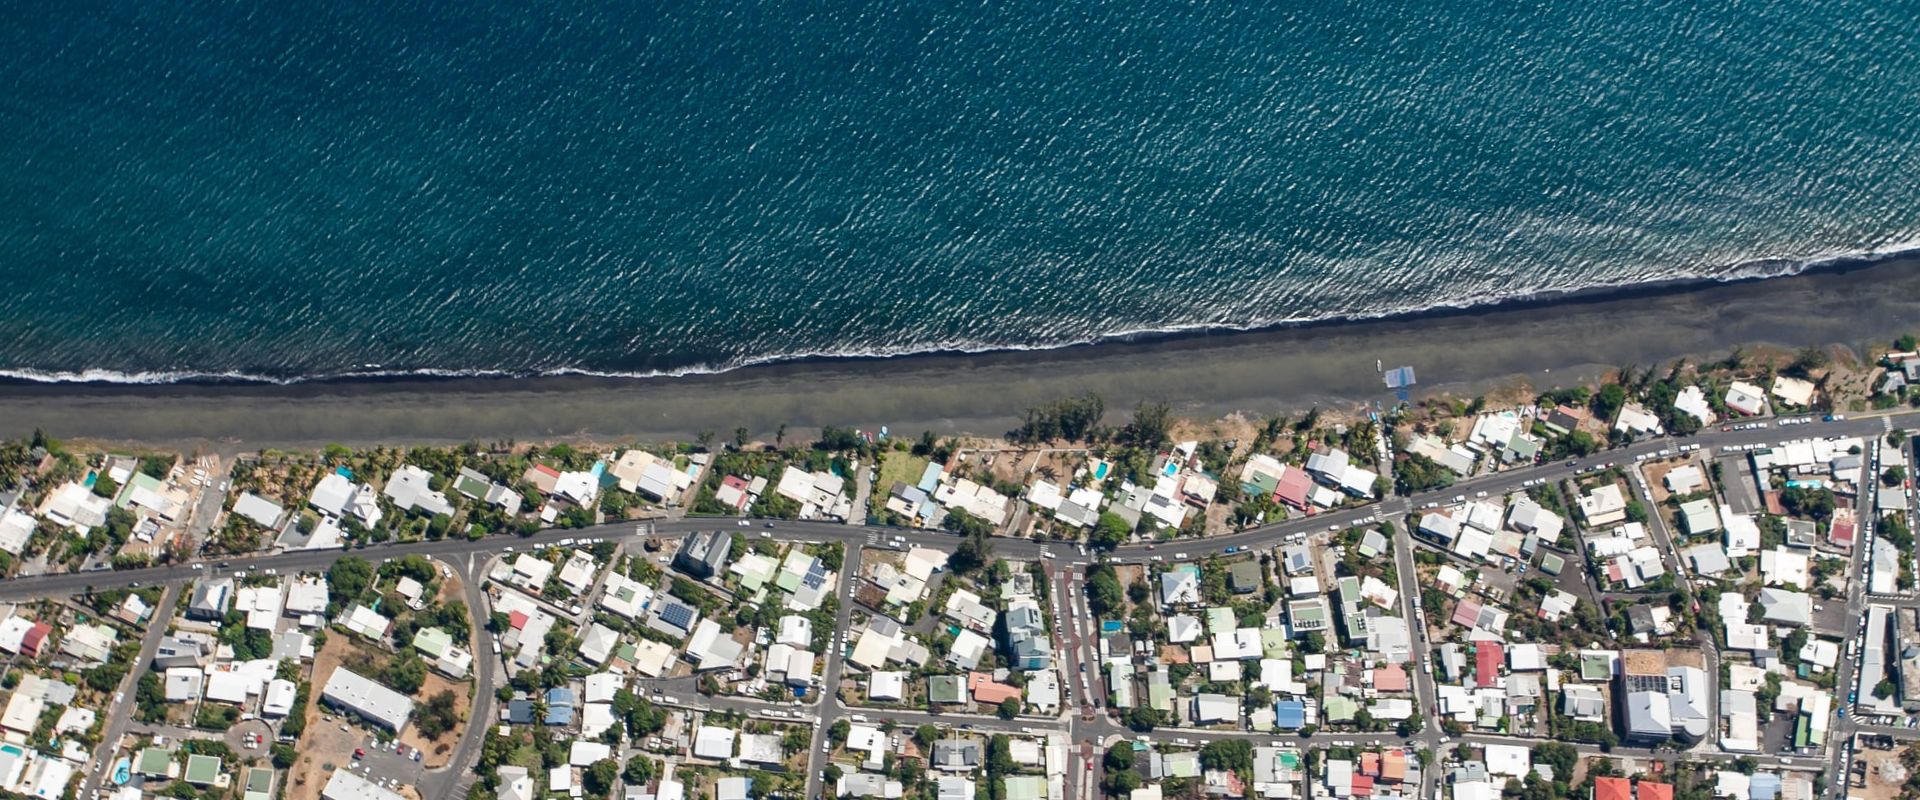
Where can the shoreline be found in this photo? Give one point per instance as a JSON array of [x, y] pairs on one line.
[[1850, 302], [1748, 272]]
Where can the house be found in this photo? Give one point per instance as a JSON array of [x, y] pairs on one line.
[[278, 701], [986, 691], [261, 511], [1693, 402], [75, 507], [147, 493], [1783, 607], [956, 755], [1746, 398], [1662, 696], [338, 496], [1027, 635], [965, 608], [885, 685], [1698, 517], [578, 572], [1307, 616], [1783, 567], [1439, 526], [1180, 586], [734, 493], [1213, 709], [1634, 419], [531, 572], [578, 488], [711, 648], [649, 476], [353, 692], [1793, 391], [306, 595], [1604, 506], [625, 597], [89, 643], [436, 645], [1564, 419], [946, 689], [411, 489], [1708, 559], [1529, 517], [1243, 577], [703, 555], [1334, 468], [202, 770], [210, 599], [1685, 479], [967, 649], [476, 486], [1583, 703], [1742, 534], [173, 653], [366, 622]]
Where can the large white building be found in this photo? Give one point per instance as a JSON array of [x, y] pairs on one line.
[[361, 695]]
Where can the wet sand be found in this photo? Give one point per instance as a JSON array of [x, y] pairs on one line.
[[1290, 369]]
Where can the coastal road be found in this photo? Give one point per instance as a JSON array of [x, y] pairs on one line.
[[1019, 549]]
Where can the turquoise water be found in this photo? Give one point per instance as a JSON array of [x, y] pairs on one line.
[[285, 191]]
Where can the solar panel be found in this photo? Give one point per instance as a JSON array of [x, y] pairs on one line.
[[677, 615], [816, 576]]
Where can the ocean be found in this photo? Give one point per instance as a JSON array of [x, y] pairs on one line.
[[285, 191]]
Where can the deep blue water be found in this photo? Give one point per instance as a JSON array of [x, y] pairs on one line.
[[293, 189]]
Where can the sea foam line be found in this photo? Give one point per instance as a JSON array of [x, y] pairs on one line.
[[1754, 269]]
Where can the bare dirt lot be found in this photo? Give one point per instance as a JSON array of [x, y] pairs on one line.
[[1885, 775], [324, 746], [437, 751]]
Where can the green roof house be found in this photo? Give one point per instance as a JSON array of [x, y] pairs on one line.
[[948, 689], [156, 762], [1026, 787], [259, 784], [202, 770], [432, 642]]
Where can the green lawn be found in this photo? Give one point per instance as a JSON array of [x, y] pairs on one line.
[[895, 466]]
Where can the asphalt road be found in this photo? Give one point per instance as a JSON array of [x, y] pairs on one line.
[[122, 708], [458, 551]]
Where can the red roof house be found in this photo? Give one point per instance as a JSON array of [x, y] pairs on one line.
[[1612, 789], [1393, 766], [986, 690], [36, 637], [543, 477], [1293, 488], [1487, 658], [1390, 678], [1650, 790], [1841, 534]]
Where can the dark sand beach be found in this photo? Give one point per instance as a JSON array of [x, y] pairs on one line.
[[1547, 341]]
